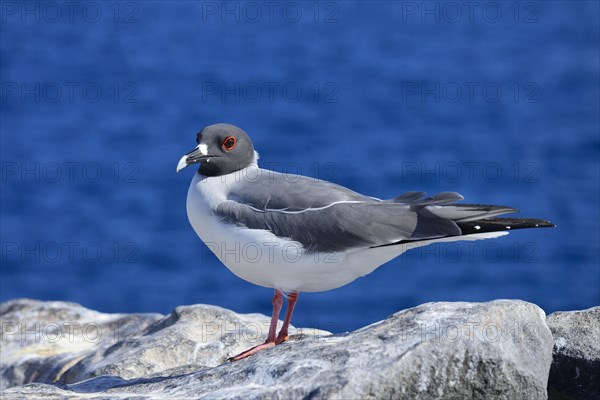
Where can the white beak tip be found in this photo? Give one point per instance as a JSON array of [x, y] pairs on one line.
[[182, 163]]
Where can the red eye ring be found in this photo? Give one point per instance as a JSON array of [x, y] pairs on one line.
[[229, 143]]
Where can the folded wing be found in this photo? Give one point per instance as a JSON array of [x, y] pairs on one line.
[[325, 217]]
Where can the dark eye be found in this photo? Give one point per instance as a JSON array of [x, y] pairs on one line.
[[198, 137], [229, 143]]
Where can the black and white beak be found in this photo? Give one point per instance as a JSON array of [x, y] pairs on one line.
[[195, 156]]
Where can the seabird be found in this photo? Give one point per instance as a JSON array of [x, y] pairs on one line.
[[298, 234]]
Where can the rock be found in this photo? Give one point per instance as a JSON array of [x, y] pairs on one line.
[[67, 343], [42, 340], [501, 349], [575, 371]]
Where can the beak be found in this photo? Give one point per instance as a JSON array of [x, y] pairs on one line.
[[193, 157]]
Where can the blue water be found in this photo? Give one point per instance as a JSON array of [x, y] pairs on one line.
[[500, 104]]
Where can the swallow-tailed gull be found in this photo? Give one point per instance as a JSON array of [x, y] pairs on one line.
[[298, 234]]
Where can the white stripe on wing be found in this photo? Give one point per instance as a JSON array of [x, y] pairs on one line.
[[285, 211]]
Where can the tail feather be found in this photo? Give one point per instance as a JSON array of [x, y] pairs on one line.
[[440, 220]]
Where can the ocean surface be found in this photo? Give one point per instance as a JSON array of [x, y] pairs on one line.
[[498, 101]]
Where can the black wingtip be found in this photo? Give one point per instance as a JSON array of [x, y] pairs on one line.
[[502, 224], [545, 224]]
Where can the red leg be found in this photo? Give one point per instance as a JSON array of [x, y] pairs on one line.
[[283, 333], [277, 304]]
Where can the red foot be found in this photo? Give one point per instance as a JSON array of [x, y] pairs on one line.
[[252, 351], [283, 333], [281, 338]]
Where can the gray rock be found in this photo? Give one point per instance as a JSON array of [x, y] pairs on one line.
[[501, 349], [67, 343], [43, 340], [575, 371]]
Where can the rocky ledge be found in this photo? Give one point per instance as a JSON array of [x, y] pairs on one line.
[[503, 349]]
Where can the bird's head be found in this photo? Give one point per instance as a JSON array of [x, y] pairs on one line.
[[222, 149]]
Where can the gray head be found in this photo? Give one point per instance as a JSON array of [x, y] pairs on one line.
[[222, 149]]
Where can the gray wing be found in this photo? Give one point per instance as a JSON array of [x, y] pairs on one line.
[[326, 217], [275, 191]]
